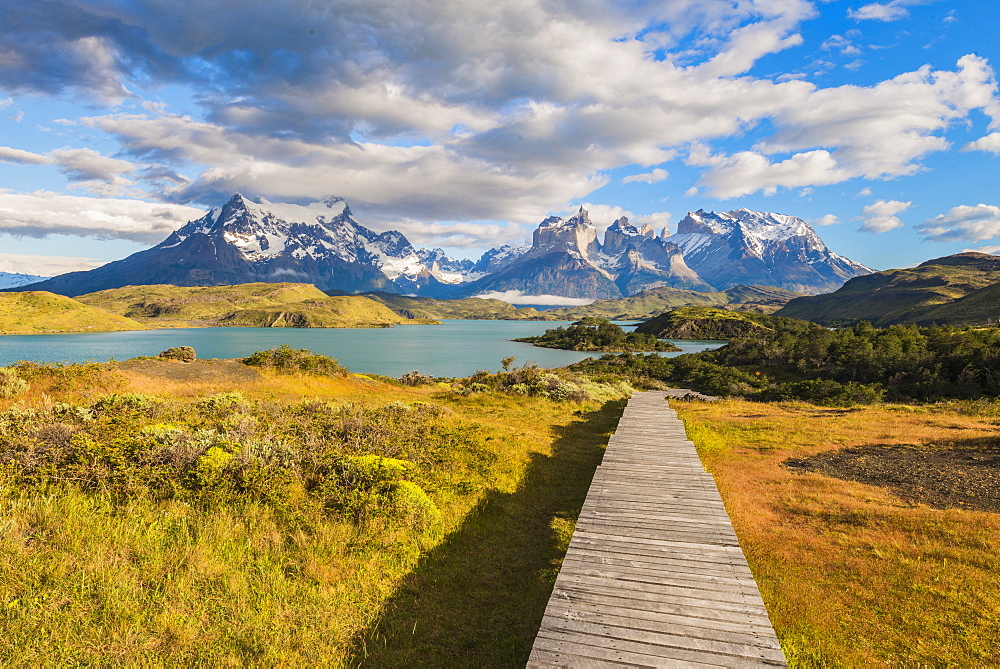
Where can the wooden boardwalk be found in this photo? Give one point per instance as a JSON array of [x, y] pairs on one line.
[[654, 575]]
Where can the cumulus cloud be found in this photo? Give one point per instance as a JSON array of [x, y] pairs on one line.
[[880, 216], [90, 165], [392, 104], [660, 220], [76, 164], [24, 263], [659, 174], [992, 250], [963, 223], [877, 132], [453, 235], [828, 219], [517, 297], [748, 171], [879, 11], [20, 157], [43, 213], [990, 142]]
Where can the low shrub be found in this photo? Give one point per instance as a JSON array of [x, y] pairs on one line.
[[290, 360], [11, 384], [415, 378], [179, 353]]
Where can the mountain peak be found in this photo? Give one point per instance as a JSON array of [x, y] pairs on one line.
[[768, 248]]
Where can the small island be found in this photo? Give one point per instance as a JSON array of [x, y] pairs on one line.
[[598, 335], [704, 323]]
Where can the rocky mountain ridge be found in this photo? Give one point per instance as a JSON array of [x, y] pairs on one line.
[[247, 241]]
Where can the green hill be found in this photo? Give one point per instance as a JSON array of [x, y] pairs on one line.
[[598, 334], [954, 290], [246, 305], [40, 312], [649, 303], [702, 323], [472, 308]]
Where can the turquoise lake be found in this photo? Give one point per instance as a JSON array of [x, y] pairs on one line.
[[455, 348]]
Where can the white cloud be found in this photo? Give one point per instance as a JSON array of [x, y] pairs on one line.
[[880, 11], [42, 213], [880, 216], [990, 142], [24, 263], [876, 132], [658, 220], [963, 223], [77, 164], [992, 250], [659, 174], [20, 157], [90, 165], [828, 219], [392, 105], [747, 172], [454, 235], [517, 297]]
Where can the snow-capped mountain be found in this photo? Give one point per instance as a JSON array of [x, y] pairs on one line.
[[759, 248], [256, 240], [566, 259], [497, 258], [16, 279]]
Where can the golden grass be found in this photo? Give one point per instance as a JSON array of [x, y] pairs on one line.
[[851, 574], [41, 312], [88, 579], [248, 305]]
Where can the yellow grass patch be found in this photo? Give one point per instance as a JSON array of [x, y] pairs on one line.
[[852, 574]]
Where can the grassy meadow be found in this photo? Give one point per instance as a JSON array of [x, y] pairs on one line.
[[39, 312], [281, 518], [852, 574], [287, 512], [243, 305]]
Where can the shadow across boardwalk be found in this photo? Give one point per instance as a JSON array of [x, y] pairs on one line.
[[478, 599]]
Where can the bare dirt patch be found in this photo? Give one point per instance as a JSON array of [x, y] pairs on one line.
[[209, 371], [965, 475]]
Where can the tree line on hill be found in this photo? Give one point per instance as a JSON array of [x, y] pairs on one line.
[[798, 360]]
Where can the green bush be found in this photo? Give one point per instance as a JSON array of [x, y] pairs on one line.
[[290, 360], [179, 353], [11, 384], [415, 378]]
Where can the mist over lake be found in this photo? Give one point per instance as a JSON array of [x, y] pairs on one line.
[[455, 348]]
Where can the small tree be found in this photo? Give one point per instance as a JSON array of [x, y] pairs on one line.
[[507, 362]]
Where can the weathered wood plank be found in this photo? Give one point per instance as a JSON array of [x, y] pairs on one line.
[[654, 575]]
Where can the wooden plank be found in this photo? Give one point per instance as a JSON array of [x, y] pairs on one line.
[[664, 638], [654, 575], [578, 641], [668, 622]]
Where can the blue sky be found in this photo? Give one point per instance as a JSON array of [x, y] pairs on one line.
[[463, 124]]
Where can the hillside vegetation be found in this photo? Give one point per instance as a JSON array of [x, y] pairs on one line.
[[40, 312], [648, 303], [472, 308], [954, 290], [244, 305], [299, 516], [702, 323], [598, 334], [798, 360]]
